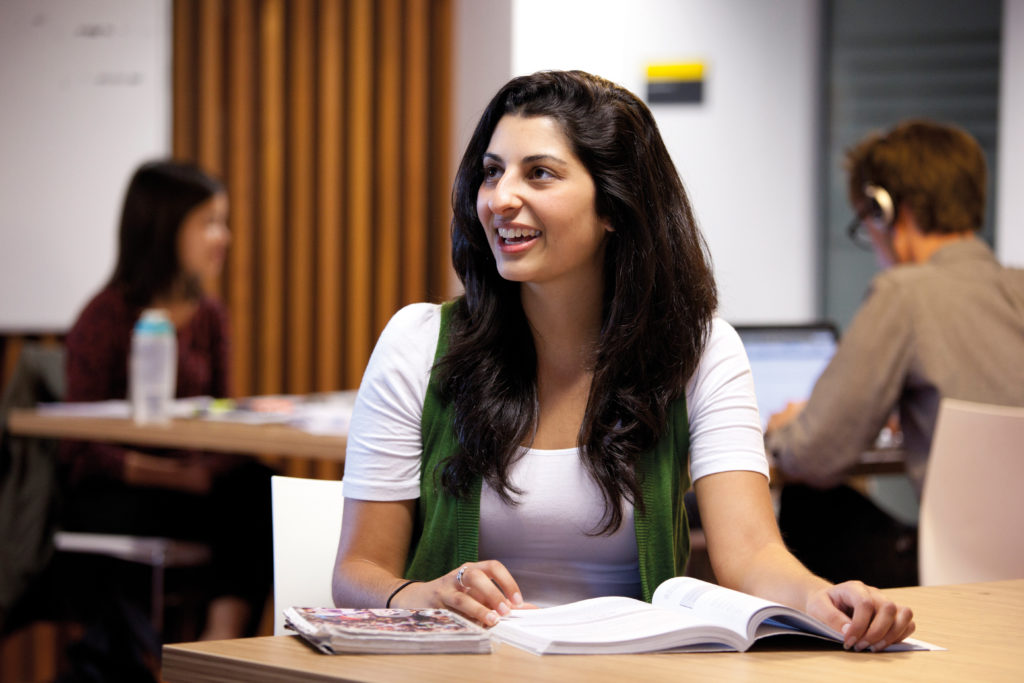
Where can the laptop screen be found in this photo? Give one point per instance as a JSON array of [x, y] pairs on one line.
[[786, 361]]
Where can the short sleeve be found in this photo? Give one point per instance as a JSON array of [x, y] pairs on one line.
[[382, 459], [725, 428]]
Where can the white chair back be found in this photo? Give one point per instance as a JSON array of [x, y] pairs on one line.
[[973, 503], [307, 526]]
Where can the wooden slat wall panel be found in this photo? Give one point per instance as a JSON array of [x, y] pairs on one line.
[[416, 127], [441, 281], [389, 201], [183, 103], [330, 195], [329, 121], [269, 280], [210, 85], [211, 111], [241, 178], [301, 186], [358, 231]]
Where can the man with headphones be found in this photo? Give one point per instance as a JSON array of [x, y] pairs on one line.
[[944, 319]]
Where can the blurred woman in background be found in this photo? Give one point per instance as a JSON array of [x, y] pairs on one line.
[[173, 237]]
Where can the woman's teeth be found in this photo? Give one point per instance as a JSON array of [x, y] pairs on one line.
[[517, 234]]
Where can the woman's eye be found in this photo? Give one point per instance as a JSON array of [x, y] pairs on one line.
[[491, 172], [541, 173]]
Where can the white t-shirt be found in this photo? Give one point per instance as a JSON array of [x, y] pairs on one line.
[[544, 539]]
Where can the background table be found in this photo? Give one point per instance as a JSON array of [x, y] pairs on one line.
[[981, 625], [209, 435], [264, 439]]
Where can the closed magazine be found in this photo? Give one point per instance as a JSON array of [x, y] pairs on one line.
[[336, 630], [685, 614]]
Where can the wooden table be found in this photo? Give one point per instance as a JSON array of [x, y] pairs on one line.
[[208, 435], [266, 439], [981, 625]]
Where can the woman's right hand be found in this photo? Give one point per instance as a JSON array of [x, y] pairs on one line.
[[483, 591], [371, 559]]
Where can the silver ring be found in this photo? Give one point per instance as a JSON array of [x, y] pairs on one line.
[[458, 577]]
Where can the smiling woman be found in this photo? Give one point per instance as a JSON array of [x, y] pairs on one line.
[[536, 204], [529, 443]]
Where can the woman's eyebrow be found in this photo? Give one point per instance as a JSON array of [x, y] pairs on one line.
[[533, 158]]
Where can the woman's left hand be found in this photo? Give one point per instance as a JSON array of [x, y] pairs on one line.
[[866, 618]]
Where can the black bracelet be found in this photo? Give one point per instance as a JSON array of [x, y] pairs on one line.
[[387, 605]]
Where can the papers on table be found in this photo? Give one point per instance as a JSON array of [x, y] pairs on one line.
[[86, 409], [326, 414]]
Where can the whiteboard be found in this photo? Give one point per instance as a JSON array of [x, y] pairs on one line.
[[86, 96]]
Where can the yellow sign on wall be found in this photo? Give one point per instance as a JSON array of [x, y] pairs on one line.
[[675, 83]]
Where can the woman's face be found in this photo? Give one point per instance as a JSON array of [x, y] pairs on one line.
[[536, 204], [203, 239]]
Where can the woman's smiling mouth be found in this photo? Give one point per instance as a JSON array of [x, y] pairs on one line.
[[517, 235]]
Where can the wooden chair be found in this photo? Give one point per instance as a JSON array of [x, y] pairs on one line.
[[307, 526], [972, 502]]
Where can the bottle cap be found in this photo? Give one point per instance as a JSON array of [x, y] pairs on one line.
[[154, 321]]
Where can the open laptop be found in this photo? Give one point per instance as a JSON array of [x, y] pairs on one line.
[[786, 361]]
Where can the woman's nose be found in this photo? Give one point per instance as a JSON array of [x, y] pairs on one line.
[[220, 232], [505, 196]]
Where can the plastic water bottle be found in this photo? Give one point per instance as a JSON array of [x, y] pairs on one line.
[[153, 369]]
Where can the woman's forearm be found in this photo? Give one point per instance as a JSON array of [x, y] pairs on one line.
[[372, 550], [747, 552], [775, 574], [361, 583]]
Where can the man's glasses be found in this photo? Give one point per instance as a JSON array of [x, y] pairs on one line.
[[880, 209]]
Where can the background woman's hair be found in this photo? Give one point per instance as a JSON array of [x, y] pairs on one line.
[[159, 197], [935, 169], [659, 296]]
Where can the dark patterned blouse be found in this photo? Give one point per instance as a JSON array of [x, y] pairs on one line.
[[98, 347]]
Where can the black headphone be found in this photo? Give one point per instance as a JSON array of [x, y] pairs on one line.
[[882, 207]]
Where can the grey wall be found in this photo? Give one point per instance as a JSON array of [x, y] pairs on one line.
[[86, 96], [748, 155]]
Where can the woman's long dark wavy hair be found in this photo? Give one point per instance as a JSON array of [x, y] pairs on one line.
[[159, 197], [659, 297]]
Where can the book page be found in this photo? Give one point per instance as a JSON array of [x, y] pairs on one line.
[[608, 620], [688, 615], [736, 610], [713, 604]]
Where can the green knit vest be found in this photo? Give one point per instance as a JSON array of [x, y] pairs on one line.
[[446, 531]]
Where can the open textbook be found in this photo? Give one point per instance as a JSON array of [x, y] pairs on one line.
[[685, 614], [336, 630]]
